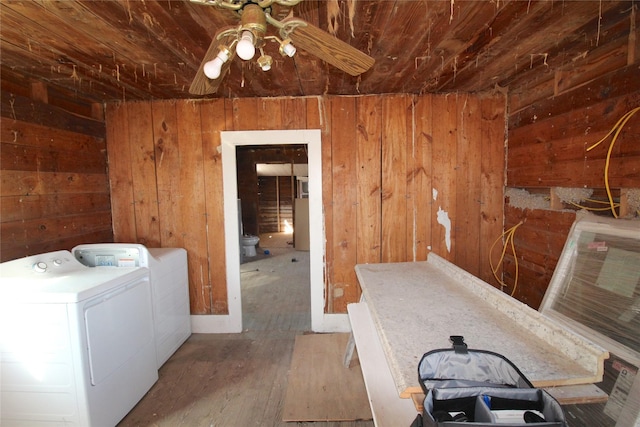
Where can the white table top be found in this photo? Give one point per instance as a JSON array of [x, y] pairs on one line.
[[416, 306]]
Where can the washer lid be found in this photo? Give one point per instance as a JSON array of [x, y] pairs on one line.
[[57, 277]]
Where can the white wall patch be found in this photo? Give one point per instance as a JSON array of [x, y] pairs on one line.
[[434, 193], [443, 219]]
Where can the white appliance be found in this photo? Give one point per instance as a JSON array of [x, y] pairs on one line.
[[169, 286], [76, 343]]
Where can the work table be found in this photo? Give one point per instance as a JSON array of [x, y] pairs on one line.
[[416, 306]]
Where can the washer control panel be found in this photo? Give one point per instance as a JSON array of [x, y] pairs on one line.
[[51, 263], [111, 257]]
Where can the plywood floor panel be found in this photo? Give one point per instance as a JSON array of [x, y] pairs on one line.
[[320, 387]]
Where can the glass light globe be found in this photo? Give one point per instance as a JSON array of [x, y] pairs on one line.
[[245, 48]]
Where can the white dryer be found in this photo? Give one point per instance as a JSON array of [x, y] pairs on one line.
[[169, 276], [77, 344]]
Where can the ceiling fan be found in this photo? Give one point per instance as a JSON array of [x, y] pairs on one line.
[[251, 34]]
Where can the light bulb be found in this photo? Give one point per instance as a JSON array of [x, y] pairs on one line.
[[245, 48], [213, 68], [265, 62], [288, 49]]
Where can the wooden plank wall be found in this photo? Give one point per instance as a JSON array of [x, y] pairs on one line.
[[553, 118], [402, 176], [53, 166], [275, 203]]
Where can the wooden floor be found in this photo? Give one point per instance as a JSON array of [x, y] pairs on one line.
[[239, 380]]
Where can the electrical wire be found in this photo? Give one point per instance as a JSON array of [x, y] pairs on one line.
[[588, 208], [617, 128], [597, 201], [508, 241]]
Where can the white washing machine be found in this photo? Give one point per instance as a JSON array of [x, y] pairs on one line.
[[169, 286], [77, 344]]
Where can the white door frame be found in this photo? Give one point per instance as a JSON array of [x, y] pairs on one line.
[[231, 323]]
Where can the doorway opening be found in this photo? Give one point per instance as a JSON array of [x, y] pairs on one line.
[[271, 197], [320, 322], [274, 229]]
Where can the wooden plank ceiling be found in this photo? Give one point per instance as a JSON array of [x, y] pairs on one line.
[[119, 50]]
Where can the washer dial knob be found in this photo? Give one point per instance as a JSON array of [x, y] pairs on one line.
[[40, 267]]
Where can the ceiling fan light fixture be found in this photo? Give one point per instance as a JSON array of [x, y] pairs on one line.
[[246, 48], [251, 35]]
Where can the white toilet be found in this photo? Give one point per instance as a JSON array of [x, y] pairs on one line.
[[249, 243]]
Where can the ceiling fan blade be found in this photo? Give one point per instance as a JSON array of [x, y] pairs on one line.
[[328, 48], [203, 85]]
